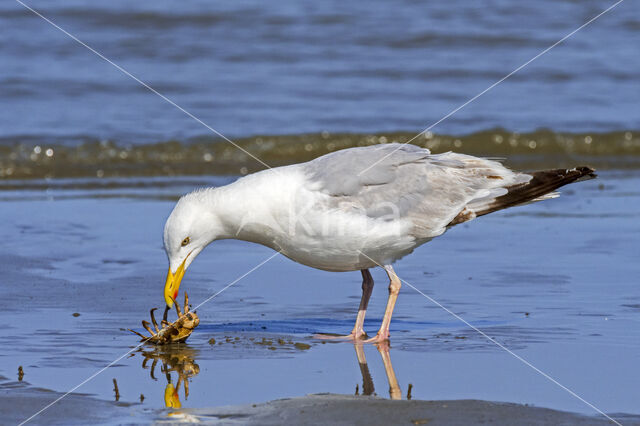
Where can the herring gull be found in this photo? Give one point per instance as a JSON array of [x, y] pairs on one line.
[[340, 213]]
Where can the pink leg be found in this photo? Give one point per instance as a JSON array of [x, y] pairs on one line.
[[394, 289], [358, 331]]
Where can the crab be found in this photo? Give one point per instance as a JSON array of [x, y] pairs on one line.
[[175, 332]]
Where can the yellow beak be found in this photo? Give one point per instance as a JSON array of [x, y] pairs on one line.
[[172, 285]]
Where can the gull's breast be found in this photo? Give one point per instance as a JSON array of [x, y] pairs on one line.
[[337, 241]]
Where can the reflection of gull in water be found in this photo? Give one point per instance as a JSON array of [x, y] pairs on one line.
[[367, 382], [351, 210]]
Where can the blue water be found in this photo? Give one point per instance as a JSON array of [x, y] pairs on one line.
[[288, 67]]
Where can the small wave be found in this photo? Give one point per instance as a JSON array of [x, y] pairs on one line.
[[42, 157]]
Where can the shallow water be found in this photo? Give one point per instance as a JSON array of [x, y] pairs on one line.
[[555, 282]]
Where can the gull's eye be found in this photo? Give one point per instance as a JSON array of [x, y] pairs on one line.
[[185, 241]]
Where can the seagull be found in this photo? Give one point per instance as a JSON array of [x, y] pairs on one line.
[[352, 209]]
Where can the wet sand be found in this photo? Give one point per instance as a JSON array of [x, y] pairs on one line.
[[358, 410], [551, 281], [307, 410], [19, 400]]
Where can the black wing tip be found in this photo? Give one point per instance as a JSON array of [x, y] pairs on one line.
[[543, 182], [586, 173]]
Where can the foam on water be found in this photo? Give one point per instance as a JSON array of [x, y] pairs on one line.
[[22, 158]]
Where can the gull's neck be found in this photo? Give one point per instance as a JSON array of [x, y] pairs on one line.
[[248, 209]]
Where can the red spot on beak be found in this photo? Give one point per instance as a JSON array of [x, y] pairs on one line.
[[175, 295]]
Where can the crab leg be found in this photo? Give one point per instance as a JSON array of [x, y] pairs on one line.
[[186, 303], [186, 388], [164, 316], [141, 335], [153, 320], [177, 309], [152, 373], [146, 325]]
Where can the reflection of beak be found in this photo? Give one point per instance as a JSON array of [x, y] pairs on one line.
[[171, 398], [172, 285]]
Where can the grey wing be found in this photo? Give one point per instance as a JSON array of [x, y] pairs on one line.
[[394, 181], [348, 171]]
